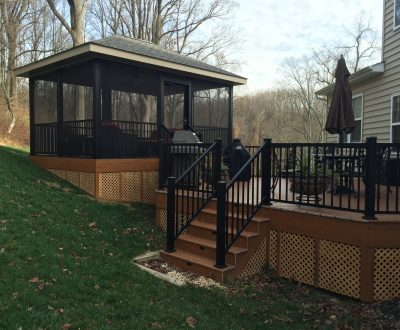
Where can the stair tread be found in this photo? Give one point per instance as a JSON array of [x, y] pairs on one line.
[[255, 218], [209, 243], [196, 259], [212, 226]]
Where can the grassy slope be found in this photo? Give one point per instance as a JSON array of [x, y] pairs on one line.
[[84, 271]]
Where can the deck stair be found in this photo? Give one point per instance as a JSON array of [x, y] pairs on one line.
[[195, 250]]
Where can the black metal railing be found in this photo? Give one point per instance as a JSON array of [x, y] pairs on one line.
[[45, 139], [128, 139], [176, 158], [190, 192], [77, 138], [387, 178], [210, 134], [165, 134], [356, 177], [240, 199]]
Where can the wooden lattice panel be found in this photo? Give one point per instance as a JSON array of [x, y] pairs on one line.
[[150, 183], [386, 273], [73, 177], [182, 220], [60, 173], [339, 268], [131, 186], [109, 186], [272, 248], [256, 262], [163, 219], [86, 182], [297, 257]]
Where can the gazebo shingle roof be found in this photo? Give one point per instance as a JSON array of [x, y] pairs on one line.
[[149, 49]]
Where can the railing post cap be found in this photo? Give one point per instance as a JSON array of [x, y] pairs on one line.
[[371, 139], [267, 140], [236, 140]]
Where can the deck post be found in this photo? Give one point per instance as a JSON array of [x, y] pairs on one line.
[[266, 158], [32, 116], [170, 215], [230, 115], [370, 179], [221, 207], [97, 109], [217, 162], [161, 164], [60, 114]]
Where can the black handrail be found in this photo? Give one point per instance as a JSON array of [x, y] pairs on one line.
[[238, 202], [190, 192]]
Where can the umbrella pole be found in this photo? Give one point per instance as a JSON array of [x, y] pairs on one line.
[[341, 138]]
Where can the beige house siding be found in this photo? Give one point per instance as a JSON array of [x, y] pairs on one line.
[[377, 92]]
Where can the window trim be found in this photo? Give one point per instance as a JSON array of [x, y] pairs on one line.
[[361, 119], [391, 116], [395, 27]]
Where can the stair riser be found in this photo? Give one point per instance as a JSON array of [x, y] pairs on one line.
[[203, 251], [211, 218], [195, 268], [211, 234]]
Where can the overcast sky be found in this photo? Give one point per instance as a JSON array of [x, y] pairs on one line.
[[275, 29]]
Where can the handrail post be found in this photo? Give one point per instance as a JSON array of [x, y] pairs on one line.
[[217, 162], [266, 158], [171, 215], [221, 207], [161, 164], [370, 177]]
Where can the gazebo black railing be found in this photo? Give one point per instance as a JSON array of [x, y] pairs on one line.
[[117, 138]]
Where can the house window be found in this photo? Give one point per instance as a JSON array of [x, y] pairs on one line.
[[396, 16], [395, 128], [356, 135]]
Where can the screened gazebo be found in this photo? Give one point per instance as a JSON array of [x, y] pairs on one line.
[[99, 111]]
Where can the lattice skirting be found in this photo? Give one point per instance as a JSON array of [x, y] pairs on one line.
[[256, 262], [328, 265], [386, 273], [128, 187], [162, 219], [83, 180], [339, 268]]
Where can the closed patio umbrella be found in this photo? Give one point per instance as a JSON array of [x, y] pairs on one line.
[[340, 116]]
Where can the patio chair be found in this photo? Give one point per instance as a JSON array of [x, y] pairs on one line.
[[354, 169]]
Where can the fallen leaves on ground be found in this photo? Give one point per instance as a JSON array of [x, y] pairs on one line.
[[191, 322], [34, 280]]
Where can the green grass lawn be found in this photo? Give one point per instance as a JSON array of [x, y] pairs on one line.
[[65, 261]]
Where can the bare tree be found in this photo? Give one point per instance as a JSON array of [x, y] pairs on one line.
[[12, 16], [76, 28], [359, 47]]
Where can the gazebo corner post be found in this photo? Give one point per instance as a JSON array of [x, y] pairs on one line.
[[160, 109], [60, 114], [230, 115], [97, 84], [32, 133], [187, 122], [370, 178]]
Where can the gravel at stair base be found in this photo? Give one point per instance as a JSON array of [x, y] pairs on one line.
[[165, 268]]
